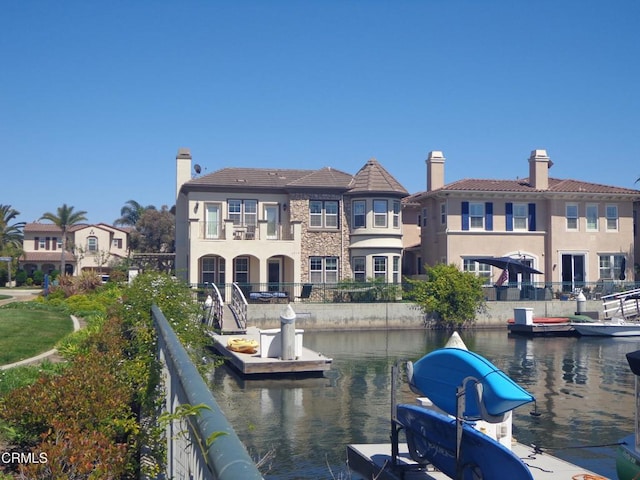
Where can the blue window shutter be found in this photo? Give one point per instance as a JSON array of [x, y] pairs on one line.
[[488, 216], [532, 217], [465, 215], [509, 216]]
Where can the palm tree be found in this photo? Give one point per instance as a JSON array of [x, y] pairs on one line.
[[10, 234], [131, 213], [65, 218]]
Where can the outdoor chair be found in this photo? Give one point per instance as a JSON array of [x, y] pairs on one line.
[[306, 291]]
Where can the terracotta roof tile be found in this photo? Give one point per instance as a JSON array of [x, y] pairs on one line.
[[523, 186], [372, 177], [49, 256], [326, 177]]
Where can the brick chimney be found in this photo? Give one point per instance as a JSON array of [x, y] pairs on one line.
[[435, 170], [539, 165], [183, 168]]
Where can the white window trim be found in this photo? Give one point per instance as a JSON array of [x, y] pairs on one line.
[[616, 219], [586, 216], [576, 217], [482, 216]]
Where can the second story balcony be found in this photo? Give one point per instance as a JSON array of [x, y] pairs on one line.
[[264, 230]]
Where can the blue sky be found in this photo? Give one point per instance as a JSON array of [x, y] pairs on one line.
[[97, 97]]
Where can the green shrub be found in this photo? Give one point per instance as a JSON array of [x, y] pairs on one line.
[[21, 278], [38, 277]]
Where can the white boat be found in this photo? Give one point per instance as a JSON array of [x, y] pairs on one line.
[[616, 327]]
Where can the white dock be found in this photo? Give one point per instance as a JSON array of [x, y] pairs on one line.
[[307, 361], [375, 461]]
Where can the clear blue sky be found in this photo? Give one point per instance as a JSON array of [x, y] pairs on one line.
[[97, 97]]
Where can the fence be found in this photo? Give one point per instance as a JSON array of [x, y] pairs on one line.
[[371, 292], [189, 454]]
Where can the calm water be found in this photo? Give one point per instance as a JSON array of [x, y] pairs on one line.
[[583, 386]]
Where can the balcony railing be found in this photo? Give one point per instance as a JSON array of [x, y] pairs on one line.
[[228, 231]]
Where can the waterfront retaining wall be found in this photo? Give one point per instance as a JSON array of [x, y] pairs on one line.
[[356, 316]]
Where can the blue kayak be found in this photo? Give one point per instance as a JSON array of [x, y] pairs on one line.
[[431, 439], [438, 375]]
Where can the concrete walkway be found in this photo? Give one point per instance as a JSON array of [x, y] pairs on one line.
[[24, 296]]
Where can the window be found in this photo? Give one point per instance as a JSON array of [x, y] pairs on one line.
[[213, 270], [612, 217], [424, 217], [59, 242], [241, 270], [396, 269], [478, 269], [242, 212], [359, 214], [443, 214], [42, 243], [611, 266], [380, 267], [331, 214], [396, 214], [520, 216], [380, 211], [592, 218], [92, 244], [323, 214], [476, 216], [323, 269], [572, 216], [358, 266]]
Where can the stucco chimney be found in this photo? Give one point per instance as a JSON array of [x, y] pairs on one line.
[[183, 168], [539, 165], [435, 170]]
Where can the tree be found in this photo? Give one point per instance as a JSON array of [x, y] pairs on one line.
[[64, 219], [10, 235], [451, 297], [155, 233], [131, 213]]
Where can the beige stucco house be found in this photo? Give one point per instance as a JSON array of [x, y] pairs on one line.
[[89, 247], [575, 232], [267, 226]]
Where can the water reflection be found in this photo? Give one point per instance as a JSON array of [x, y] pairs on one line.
[[583, 387]]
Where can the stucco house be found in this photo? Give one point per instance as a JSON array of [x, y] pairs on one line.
[[268, 226], [577, 233], [89, 247]]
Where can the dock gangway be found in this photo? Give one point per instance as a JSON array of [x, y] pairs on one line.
[[624, 305]]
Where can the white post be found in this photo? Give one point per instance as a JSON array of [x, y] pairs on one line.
[[288, 333]]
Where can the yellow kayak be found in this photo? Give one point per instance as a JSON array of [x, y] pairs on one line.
[[242, 345]]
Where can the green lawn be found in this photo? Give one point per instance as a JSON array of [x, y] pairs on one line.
[[27, 332]]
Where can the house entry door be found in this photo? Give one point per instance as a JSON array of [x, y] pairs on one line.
[[274, 274], [572, 272]]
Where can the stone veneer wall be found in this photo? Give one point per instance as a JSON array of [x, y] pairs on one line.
[[321, 242]]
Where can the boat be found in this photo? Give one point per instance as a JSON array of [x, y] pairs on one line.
[[616, 327], [488, 396], [628, 453], [431, 439]]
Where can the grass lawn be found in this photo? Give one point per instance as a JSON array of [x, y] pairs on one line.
[[28, 332]]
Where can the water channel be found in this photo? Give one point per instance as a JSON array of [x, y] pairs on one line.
[[583, 386]]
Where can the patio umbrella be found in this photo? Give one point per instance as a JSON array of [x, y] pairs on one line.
[[507, 263], [623, 267]]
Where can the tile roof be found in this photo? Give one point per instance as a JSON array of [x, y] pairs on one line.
[[50, 256], [41, 227], [522, 186], [372, 177]]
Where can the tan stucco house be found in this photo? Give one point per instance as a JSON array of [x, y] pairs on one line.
[[575, 232], [270, 226], [89, 247]]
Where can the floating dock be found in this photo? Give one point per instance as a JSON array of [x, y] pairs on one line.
[[543, 326], [306, 361], [375, 461]]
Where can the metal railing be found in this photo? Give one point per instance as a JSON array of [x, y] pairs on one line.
[[213, 305], [239, 306], [229, 231], [189, 454], [374, 292]]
